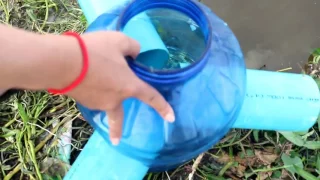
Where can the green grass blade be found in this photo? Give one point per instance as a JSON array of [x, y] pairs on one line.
[[306, 175]]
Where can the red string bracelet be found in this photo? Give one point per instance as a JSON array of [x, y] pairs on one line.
[[84, 68]]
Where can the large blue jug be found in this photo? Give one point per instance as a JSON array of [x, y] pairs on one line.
[[206, 83]]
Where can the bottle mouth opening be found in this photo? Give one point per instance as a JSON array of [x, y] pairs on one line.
[[184, 30]]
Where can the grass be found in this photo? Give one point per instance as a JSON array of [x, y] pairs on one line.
[[28, 139]]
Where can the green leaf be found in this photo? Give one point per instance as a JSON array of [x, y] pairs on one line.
[[301, 133], [294, 138], [289, 162], [307, 134], [276, 174], [22, 113], [6, 167], [207, 169], [319, 122], [247, 153], [304, 174], [312, 144], [316, 51], [9, 134], [31, 15], [250, 153], [256, 135], [210, 176], [318, 162], [317, 81], [300, 141]]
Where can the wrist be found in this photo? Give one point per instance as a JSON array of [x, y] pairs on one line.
[[37, 62], [57, 63], [66, 61]]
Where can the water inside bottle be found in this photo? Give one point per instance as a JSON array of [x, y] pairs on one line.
[[181, 35]]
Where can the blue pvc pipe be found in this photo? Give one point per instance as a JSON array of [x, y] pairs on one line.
[[279, 101], [100, 161], [153, 53], [92, 9]]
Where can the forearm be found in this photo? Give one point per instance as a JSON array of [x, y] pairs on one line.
[[37, 62]]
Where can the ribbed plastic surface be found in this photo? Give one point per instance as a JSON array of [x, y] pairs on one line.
[[206, 105]]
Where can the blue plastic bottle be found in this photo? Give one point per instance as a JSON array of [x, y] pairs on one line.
[[210, 95], [206, 96]]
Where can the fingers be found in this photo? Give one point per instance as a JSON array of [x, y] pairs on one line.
[[115, 121], [153, 98], [129, 46]]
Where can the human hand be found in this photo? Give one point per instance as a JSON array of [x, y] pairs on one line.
[[54, 61], [109, 80]]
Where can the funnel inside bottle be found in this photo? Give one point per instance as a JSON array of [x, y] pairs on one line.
[[178, 49], [181, 35]]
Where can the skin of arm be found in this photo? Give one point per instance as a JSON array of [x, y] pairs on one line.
[[37, 62]]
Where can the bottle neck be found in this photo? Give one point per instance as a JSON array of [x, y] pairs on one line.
[[190, 9]]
